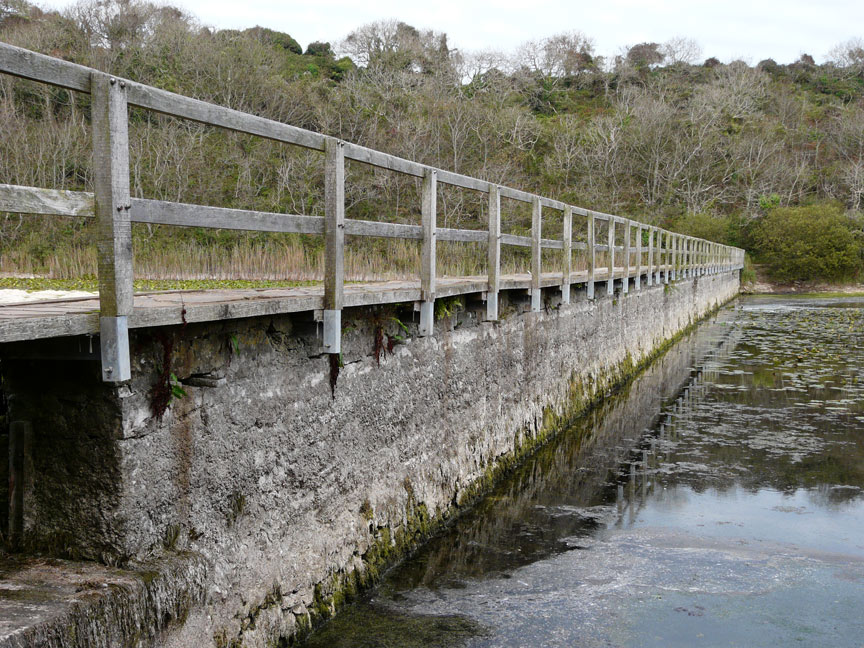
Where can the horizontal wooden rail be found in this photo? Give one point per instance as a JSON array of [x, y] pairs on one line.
[[49, 202]]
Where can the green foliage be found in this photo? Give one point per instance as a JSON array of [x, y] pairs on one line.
[[721, 143], [713, 227], [769, 202], [813, 242], [177, 390]]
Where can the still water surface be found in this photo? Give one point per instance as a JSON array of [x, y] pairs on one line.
[[716, 501]]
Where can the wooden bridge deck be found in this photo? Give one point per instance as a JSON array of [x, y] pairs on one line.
[[80, 315]]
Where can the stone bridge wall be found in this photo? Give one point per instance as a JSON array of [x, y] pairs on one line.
[[295, 494]]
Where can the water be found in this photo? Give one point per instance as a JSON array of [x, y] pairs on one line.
[[717, 501]]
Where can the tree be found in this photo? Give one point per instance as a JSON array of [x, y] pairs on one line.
[[644, 55], [680, 51], [395, 44]]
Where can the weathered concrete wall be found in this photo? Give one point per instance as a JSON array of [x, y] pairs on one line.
[[293, 494]]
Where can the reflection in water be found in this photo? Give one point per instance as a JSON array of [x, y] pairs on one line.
[[715, 501]]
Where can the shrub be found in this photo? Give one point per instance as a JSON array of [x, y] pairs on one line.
[[712, 227], [812, 242]]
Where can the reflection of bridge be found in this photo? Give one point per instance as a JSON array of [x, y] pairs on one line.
[[636, 251]]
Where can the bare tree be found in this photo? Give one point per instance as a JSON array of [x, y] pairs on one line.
[[681, 50]]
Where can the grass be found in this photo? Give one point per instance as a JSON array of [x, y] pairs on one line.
[[90, 284]]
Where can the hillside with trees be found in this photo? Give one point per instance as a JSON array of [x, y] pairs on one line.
[[769, 156]]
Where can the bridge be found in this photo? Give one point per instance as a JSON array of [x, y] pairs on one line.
[[654, 251], [252, 503]]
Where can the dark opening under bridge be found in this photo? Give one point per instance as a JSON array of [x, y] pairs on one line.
[[629, 250]]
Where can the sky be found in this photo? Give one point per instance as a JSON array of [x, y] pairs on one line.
[[732, 29]]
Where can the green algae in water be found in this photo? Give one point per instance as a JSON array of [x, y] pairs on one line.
[[366, 625]]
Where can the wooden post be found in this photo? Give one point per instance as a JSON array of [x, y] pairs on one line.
[[592, 255], [19, 446], [685, 257], [625, 283], [568, 255], [334, 243], [427, 271], [110, 123], [700, 257], [676, 257], [536, 266], [610, 284], [638, 283], [494, 253], [690, 258], [650, 278], [667, 267]]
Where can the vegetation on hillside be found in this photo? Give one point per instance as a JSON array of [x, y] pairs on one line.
[[769, 157]]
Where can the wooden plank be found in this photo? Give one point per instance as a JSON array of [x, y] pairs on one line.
[[493, 256], [427, 263], [334, 225], [625, 284], [110, 123], [551, 244], [466, 182], [168, 103], [383, 160], [111, 181], [592, 255], [48, 202], [536, 258], [638, 280], [650, 275], [47, 69], [515, 194], [610, 283], [428, 254], [187, 215], [356, 227], [468, 236], [567, 255], [553, 204], [513, 239]]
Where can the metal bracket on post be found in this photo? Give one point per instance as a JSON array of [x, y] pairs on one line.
[[332, 342], [114, 349], [427, 317]]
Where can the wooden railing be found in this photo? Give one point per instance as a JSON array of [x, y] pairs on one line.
[[669, 255]]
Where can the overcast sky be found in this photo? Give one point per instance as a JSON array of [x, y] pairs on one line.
[[748, 29]]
